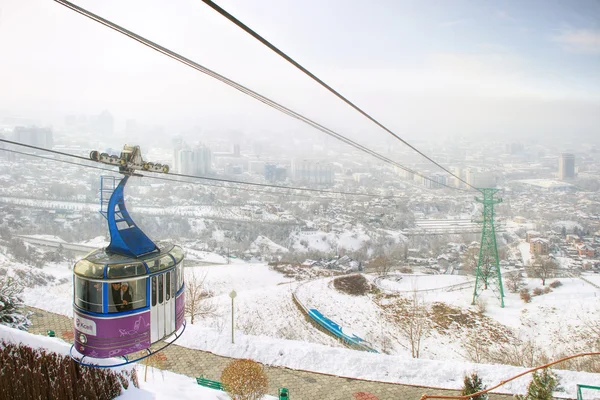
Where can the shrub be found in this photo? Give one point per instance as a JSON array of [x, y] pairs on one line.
[[406, 270], [11, 304], [356, 285], [244, 380], [473, 384], [556, 284], [547, 290], [525, 296], [538, 291], [542, 385], [29, 373], [480, 305]]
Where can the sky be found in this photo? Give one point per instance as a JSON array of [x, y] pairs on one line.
[[424, 68]]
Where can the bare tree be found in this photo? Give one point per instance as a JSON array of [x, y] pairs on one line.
[[197, 303], [543, 268], [469, 260], [414, 324], [514, 281], [382, 265]]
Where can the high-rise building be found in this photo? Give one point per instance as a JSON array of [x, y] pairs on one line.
[[275, 173], [480, 178], [41, 137], [194, 162], [311, 171], [566, 166]]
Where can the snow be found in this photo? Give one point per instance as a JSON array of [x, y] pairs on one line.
[[159, 384], [98, 241], [525, 250], [46, 237], [266, 320], [408, 282], [264, 245], [568, 225], [368, 366]]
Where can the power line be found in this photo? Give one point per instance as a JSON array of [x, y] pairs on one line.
[[319, 81], [231, 181], [242, 89]]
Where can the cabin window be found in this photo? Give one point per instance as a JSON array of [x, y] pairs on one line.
[[89, 269], [153, 265], [166, 262], [88, 295], [177, 253], [127, 295], [168, 285], [117, 271], [180, 276], [153, 291], [174, 283], [160, 289]]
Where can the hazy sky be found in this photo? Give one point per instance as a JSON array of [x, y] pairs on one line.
[[422, 67]]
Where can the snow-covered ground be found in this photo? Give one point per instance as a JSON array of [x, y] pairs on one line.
[[408, 282], [270, 329], [525, 250], [159, 384]]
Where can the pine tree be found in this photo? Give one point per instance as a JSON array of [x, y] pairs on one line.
[[474, 384], [542, 385]]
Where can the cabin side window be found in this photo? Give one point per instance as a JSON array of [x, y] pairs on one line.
[[127, 295], [180, 276], [166, 262], [88, 295]]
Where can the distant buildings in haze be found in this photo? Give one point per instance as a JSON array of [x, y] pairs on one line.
[[566, 166]]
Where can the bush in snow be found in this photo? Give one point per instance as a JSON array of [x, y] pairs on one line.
[[474, 384], [556, 284], [542, 385], [10, 304], [244, 380], [538, 291], [525, 295], [27, 373], [355, 285]]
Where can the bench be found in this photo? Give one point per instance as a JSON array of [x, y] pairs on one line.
[[209, 384]]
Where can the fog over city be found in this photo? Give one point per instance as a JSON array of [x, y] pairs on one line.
[[426, 70], [447, 250]]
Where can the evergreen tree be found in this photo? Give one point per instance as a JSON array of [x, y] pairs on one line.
[[474, 384], [542, 385]]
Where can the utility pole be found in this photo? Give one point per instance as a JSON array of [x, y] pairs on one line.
[[488, 274], [232, 295]]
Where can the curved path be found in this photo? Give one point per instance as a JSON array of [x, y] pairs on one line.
[[303, 385]]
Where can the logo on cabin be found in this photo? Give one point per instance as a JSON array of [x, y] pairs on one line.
[[85, 325]]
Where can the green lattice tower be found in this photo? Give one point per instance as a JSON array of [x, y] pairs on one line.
[[488, 268]]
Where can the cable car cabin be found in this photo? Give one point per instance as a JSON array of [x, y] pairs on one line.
[[123, 305]]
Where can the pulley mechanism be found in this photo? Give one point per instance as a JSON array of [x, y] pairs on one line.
[[129, 161]]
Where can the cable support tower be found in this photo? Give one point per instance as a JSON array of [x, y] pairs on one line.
[[230, 181], [325, 85], [244, 90], [488, 274]]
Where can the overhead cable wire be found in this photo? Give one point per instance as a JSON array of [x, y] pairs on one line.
[[231, 181], [322, 83], [165, 178], [243, 89]]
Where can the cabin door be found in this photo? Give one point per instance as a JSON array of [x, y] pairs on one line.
[[162, 307]]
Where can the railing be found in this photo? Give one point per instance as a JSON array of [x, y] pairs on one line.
[[579, 387]]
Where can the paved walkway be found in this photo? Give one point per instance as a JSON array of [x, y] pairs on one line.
[[302, 385]]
